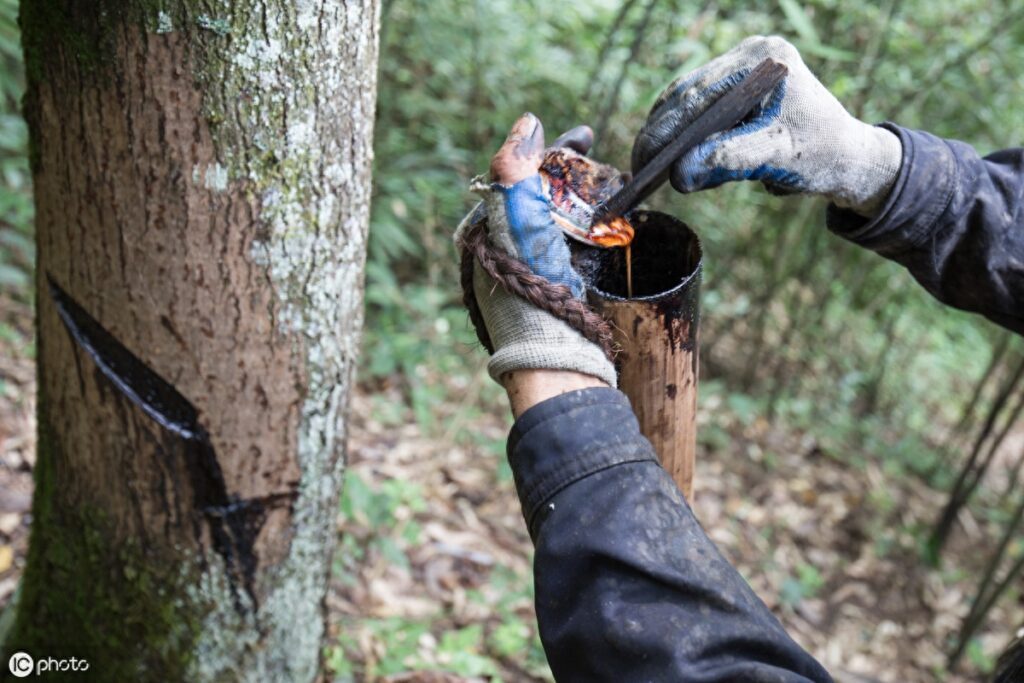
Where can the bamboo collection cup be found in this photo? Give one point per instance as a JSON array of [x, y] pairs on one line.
[[655, 330]]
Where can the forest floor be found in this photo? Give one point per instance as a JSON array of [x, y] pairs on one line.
[[832, 548], [434, 568]]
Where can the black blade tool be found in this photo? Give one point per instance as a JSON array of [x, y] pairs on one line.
[[726, 112]]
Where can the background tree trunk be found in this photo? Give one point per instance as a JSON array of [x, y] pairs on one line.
[[202, 182]]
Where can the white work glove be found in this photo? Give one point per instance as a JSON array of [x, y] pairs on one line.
[[800, 139], [519, 222]]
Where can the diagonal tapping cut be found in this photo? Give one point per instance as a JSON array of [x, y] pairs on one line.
[[234, 522]]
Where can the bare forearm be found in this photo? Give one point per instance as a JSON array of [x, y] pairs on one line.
[[527, 388]]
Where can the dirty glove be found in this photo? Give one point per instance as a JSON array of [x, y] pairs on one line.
[[519, 222], [800, 139]]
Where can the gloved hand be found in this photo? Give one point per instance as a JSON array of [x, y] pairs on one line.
[[519, 221], [800, 140]]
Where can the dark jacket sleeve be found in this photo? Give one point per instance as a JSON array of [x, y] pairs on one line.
[[956, 221], [628, 586]]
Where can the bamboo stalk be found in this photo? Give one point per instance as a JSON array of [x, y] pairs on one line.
[[656, 333]]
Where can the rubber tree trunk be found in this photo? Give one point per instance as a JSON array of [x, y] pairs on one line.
[[202, 184]]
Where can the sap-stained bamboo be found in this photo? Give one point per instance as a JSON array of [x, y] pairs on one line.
[[656, 332]]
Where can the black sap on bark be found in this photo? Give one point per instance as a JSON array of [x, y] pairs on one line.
[[234, 523]]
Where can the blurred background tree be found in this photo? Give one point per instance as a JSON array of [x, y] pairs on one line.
[[17, 250], [817, 337]]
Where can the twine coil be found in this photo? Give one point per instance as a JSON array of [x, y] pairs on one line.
[[517, 279]]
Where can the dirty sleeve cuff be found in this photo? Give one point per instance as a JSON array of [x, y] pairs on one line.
[[567, 438], [923, 189]]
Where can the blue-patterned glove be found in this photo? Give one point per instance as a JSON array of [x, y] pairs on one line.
[[519, 222], [800, 139]]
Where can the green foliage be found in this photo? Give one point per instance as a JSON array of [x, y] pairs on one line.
[[379, 510], [512, 638], [984, 662], [382, 523], [416, 332], [460, 651], [454, 76], [806, 584], [400, 638], [17, 250]]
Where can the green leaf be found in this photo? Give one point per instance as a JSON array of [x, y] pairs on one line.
[[355, 497], [799, 20], [19, 243], [791, 592], [13, 277], [510, 638], [391, 552]]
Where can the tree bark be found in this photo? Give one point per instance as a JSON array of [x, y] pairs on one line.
[[202, 184]]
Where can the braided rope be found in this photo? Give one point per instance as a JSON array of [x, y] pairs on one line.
[[515, 277]]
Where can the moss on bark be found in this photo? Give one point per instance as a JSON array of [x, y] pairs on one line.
[[78, 578], [87, 31]]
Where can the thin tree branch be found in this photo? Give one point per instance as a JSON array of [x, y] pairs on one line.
[[606, 46], [612, 102]]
